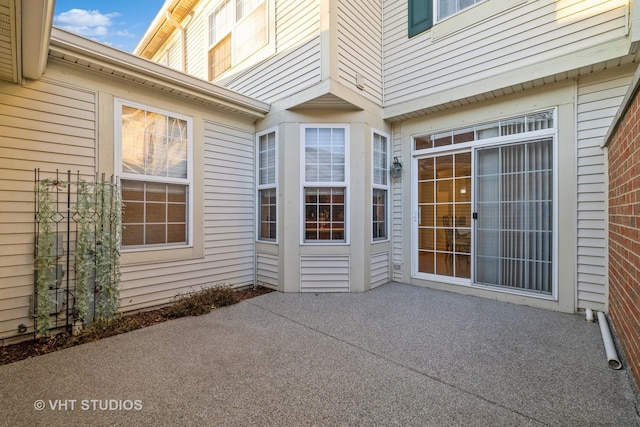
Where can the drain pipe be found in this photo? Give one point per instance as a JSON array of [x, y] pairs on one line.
[[589, 315], [609, 348], [183, 46]]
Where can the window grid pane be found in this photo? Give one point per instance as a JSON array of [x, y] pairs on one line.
[[267, 159], [268, 212], [379, 214], [380, 160], [324, 214], [512, 126], [154, 213]]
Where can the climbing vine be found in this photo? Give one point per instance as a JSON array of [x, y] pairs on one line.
[[91, 229], [108, 249], [85, 265], [45, 255]]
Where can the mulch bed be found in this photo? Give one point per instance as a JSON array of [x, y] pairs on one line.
[[26, 349]]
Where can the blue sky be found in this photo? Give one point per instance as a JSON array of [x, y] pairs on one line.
[[117, 23]]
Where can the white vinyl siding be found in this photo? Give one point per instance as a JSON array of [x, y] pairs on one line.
[[297, 51], [397, 210], [599, 99], [360, 21], [8, 55], [267, 270], [324, 273], [524, 35], [47, 126], [379, 269], [229, 227]]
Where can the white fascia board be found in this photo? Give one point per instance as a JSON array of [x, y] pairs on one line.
[[96, 53]]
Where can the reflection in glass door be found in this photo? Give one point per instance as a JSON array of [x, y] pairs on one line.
[[444, 215]]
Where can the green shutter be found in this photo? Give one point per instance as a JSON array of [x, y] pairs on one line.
[[420, 16]]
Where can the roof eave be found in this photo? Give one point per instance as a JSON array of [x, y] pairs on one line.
[[134, 68]]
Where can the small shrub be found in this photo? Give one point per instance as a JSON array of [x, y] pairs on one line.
[[197, 303]]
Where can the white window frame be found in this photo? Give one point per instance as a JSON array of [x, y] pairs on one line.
[[233, 27], [119, 103], [436, 10], [269, 186], [385, 187], [473, 145], [345, 184]]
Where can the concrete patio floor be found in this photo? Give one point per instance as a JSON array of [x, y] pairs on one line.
[[397, 355]]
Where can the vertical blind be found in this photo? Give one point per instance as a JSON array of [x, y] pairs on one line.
[[514, 240]]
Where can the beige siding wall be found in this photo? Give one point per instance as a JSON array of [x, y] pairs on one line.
[[268, 274], [320, 273], [229, 232], [7, 43], [397, 212], [43, 125], [289, 63], [54, 124], [599, 97], [514, 35], [379, 269], [359, 46], [296, 64]]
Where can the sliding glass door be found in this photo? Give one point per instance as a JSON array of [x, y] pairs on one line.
[[444, 215], [514, 227]]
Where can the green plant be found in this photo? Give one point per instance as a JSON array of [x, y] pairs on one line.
[[85, 266], [45, 256], [108, 229]]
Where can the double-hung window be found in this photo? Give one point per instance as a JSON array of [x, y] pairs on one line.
[[380, 191], [325, 188], [237, 28], [153, 151], [267, 186], [422, 12]]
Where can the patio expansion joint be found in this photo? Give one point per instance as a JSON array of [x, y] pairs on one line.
[[399, 364]]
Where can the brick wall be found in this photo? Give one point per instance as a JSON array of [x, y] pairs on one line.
[[624, 233]]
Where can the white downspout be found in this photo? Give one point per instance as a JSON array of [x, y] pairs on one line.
[[183, 44], [609, 348], [589, 315]]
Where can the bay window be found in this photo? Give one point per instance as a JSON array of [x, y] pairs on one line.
[[380, 183], [325, 177], [267, 186]]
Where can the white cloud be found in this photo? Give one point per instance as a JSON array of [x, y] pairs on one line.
[[89, 23]]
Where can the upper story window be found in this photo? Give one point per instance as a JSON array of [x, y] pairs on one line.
[[449, 7], [153, 149], [237, 28], [421, 12]]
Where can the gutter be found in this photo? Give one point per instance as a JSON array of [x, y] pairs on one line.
[[36, 23], [152, 74]]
